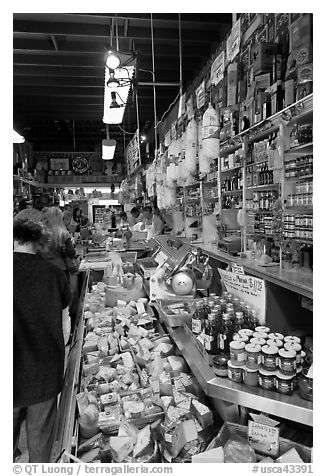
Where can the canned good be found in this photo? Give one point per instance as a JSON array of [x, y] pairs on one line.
[[269, 360], [235, 373], [266, 379], [287, 361], [284, 383], [237, 353]]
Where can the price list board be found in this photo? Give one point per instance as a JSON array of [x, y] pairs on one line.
[[132, 154]]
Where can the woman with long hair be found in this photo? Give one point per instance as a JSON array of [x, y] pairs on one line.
[[60, 246]]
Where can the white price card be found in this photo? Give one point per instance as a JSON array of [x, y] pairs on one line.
[[249, 289], [263, 438], [236, 268], [160, 258], [217, 68]]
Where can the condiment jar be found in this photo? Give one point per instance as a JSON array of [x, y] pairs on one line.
[[266, 379], [276, 335], [269, 358], [220, 365], [296, 347], [241, 338], [237, 353], [276, 342], [260, 335], [305, 384], [246, 332], [284, 383], [262, 329], [258, 341], [235, 373], [250, 377], [253, 356], [293, 339], [287, 361]]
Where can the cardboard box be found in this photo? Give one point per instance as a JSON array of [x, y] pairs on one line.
[[263, 56]]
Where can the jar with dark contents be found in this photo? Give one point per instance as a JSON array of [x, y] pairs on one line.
[[253, 356], [269, 359], [305, 383], [235, 373], [266, 379], [287, 361], [220, 365], [284, 383]]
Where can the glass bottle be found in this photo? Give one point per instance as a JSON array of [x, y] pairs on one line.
[[238, 322], [197, 318], [254, 322], [210, 335], [224, 334], [223, 303], [246, 316]]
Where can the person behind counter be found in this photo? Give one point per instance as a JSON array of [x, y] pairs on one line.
[[151, 222], [41, 328], [135, 216]]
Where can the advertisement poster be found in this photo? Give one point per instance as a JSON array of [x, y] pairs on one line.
[[233, 42], [249, 289], [217, 69], [132, 153]]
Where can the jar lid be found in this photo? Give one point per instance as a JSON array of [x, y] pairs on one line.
[[288, 354], [267, 373], [270, 349], [250, 371], [291, 345], [260, 335], [275, 342], [242, 338], [237, 345], [253, 348], [262, 329], [238, 367], [246, 332], [292, 338], [259, 341], [279, 375]]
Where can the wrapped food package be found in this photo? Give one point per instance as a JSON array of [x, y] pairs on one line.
[[238, 450], [191, 147]]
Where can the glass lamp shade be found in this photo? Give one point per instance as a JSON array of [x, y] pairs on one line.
[[112, 60], [108, 149]]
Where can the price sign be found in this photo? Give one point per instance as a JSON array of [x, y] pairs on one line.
[[59, 164], [200, 95], [264, 438], [249, 289], [132, 153], [235, 268]]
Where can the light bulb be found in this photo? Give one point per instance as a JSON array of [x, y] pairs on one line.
[[112, 61]]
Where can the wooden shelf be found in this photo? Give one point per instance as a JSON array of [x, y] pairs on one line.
[[232, 192], [211, 199], [262, 187], [301, 149]]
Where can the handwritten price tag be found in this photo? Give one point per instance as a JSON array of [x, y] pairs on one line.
[[263, 438]]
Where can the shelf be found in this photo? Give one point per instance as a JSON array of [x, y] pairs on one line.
[[259, 212], [267, 187], [302, 149], [301, 240], [298, 210], [232, 192], [230, 170], [211, 199], [298, 178], [290, 407]]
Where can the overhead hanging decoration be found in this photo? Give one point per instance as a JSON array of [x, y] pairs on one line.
[[191, 147], [210, 140]]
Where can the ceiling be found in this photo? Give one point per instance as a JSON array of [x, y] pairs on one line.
[[58, 70]]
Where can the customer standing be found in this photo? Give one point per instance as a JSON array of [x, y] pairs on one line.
[[60, 249], [40, 294]]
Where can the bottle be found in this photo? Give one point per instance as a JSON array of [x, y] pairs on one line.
[[238, 323], [246, 316], [210, 335], [196, 321], [254, 322], [224, 335], [223, 304]]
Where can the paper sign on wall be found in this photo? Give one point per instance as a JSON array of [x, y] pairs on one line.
[[233, 42], [217, 69], [264, 438], [200, 95], [235, 268], [249, 289]]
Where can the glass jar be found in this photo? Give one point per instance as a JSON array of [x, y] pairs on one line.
[[296, 347], [241, 338], [260, 335], [275, 342], [250, 377], [287, 361], [253, 356], [284, 383], [269, 359], [247, 332], [262, 329], [276, 335], [235, 373], [237, 353], [266, 379], [220, 365], [305, 384], [258, 341]]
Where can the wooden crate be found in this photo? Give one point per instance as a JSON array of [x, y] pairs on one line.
[[230, 430]]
